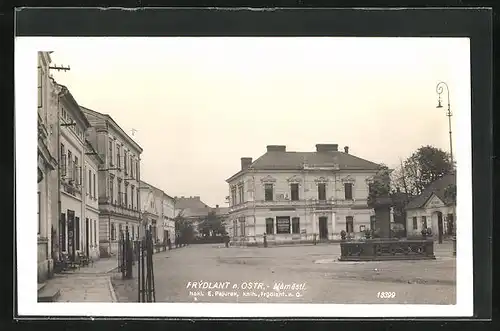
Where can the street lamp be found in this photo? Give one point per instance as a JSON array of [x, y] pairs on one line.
[[439, 89]]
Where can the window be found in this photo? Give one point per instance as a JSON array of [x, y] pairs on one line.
[[93, 187], [120, 230], [126, 195], [294, 192], [39, 215], [348, 191], [132, 166], [78, 173], [110, 153], [233, 196], [111, 188], [120, 197], [125, 162], [424, 222], [282, 224], [137, 175], [113, 231], [118, 157], [322, 191], [296, 225], [132, 196], [235, 228], [415, 224], [133, 232], [349, 224], [70, 159], [270, 225], [268, 190], [40, 87], [241, 193], [95, 233], [90, 183], [242, 226]]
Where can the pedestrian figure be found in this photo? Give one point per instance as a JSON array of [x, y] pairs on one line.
[[265, 240], [169, 244], [226, 240], [314, 238]]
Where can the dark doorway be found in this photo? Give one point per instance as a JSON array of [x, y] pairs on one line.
[[323, 227], [87, 237], [440, 227], [71, 234], [373, 225], [62, 233]]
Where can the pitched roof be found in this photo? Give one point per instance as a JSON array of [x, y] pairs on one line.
[[438, 187], [285, 160], [189, 203], [90, 112]]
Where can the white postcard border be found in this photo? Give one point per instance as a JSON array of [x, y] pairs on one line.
[[26, 49]]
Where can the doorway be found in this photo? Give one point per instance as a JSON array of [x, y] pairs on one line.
[[440, 226], [87, 237], [323, 228]]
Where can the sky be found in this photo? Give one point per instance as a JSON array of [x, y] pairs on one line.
[[200, 104]]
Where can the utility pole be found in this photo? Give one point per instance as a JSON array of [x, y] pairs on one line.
[[59, 68]]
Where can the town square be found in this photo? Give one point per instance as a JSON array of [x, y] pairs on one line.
[[173, 182]]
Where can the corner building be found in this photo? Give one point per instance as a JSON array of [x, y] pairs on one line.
[[296, 196], [119, 199]]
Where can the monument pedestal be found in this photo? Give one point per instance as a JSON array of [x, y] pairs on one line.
[[386, 248]]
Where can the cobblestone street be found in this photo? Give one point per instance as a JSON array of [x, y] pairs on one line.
[[326, 280]]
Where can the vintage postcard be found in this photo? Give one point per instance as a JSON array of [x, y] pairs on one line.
[[314, 174]]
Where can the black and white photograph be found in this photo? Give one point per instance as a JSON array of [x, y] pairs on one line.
[[328, 176]]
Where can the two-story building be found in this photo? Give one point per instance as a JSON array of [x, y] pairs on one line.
[[296, 196], [118, 180], [72, 149], [47, 195]]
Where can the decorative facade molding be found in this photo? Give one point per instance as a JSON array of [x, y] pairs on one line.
[[295, 179], [369, 180], [322, 180], [268, 179], [348, 179]]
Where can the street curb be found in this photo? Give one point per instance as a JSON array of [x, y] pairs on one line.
[[112, 291]]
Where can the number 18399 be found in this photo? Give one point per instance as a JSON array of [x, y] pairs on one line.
[[386, 295]]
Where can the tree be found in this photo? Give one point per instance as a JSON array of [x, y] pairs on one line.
[[423, 167], [212, 225], [184, 227]]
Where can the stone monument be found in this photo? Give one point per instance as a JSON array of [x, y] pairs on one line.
[[384, 247]]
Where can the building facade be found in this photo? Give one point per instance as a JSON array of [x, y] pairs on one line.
[[159, 213], [72, 150], [151, 198], [299, 196], [47, 194], [93, 162], [118, 180], [168, 203], [433, 209]]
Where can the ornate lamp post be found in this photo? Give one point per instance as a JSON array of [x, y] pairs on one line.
[[440, 89]]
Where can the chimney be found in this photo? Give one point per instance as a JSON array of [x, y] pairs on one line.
[[327, 147], [346, 149], [276, 148], [245, 162]]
